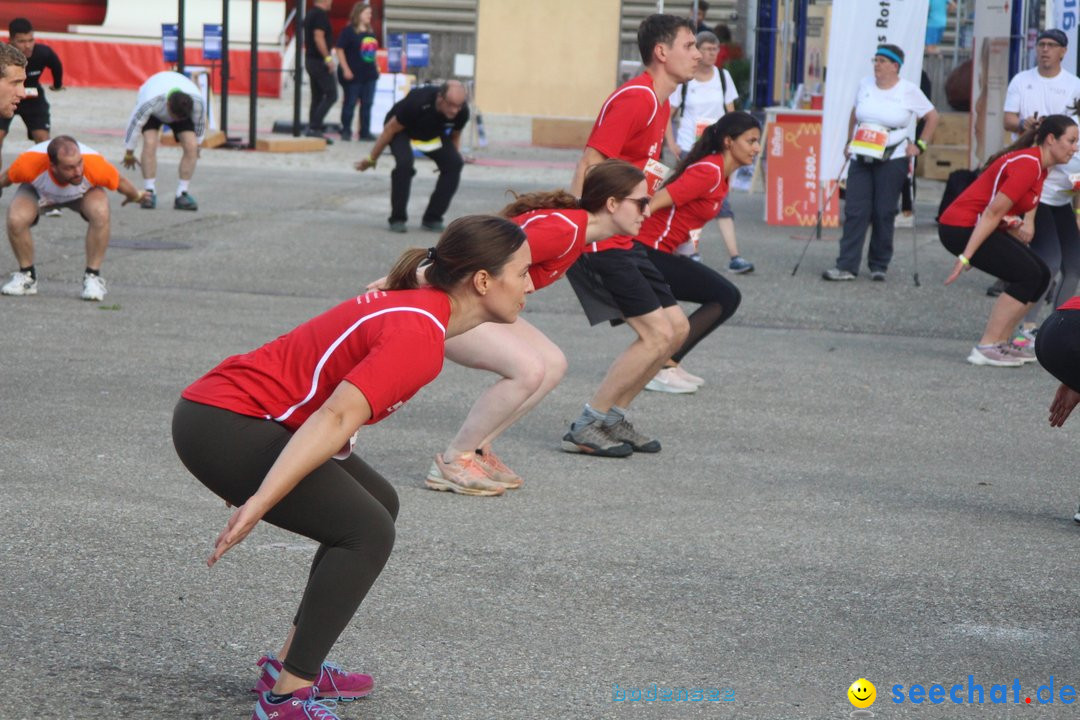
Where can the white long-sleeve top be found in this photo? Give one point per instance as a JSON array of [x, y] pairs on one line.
[[153, 101]]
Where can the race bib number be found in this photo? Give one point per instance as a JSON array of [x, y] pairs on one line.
[[870, 140], [655, 173], [695, 237]]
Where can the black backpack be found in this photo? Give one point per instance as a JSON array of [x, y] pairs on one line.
[[957, 183], [685, 85]]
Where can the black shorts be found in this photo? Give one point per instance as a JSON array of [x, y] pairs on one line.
[[616, 284], [35, 115], [178, 126]]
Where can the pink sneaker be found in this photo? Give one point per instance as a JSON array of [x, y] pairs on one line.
[[301, 706], [498, 471], [333, 683]]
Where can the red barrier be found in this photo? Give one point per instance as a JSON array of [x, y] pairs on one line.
[[110, 64]]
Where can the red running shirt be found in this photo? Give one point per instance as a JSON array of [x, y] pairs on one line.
[[556, 240], [696, 195], [1072, 303], [1018, 174], [630, 127], [387, 344]]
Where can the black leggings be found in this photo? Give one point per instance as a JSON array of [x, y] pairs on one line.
[[1057, 345], [1004, 257], [692, 281], [344, 505]]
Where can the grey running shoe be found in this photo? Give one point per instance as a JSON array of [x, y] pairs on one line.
[[835, 274], [877, 275], [993, 355], [624, 430], [149, 201], [398, 226], [594, 439], [1076, 517], [184, 201], [740, 265]]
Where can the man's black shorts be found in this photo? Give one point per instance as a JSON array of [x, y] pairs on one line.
[[178, 126], [35, 115]]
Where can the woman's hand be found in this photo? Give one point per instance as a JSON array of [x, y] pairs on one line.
[[243, 519], [1064, 401], [957, 271]]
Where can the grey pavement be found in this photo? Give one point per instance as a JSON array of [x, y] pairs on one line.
[[845, 498]]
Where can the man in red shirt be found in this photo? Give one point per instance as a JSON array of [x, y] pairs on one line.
[[61, 173]]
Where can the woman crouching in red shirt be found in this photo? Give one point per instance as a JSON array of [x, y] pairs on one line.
[[271, 432], [982, 228]]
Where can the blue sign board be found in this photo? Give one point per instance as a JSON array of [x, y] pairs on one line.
[[418, 49], [395, 52], [170, 36], [211, 41]]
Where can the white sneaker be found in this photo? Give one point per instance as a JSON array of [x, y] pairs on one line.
[[93, 287], [668, 381], [688, 377], [20, 284], [53, 212]]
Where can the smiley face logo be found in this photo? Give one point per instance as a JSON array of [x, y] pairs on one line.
[[862, 693]]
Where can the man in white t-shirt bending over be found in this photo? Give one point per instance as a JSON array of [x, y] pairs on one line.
[[1045, 89], [166, 98], [707, 97]]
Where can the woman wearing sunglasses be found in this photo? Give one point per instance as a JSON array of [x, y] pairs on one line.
[[681, 208]]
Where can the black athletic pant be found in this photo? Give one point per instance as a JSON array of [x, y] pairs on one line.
[[449, 162], [1004, 257], [344, 505], [692, 281], [323, 93], [1057, 345]]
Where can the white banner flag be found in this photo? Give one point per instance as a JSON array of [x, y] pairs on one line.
[[857, 28], [1063, 15]]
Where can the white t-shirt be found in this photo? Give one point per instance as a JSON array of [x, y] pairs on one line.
[[152, 100], [897, 108], [704, 101], [1030, 93]]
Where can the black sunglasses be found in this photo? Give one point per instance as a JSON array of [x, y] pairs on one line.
[[641, 202]]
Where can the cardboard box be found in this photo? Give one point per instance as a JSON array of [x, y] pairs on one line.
[[952, 129], [940, 160]]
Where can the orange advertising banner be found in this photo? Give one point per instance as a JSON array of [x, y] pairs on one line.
[[793, 184]]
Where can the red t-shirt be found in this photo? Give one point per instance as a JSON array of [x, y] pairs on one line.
[[1018, 174], [696, 195], [630, 127], [387, 344], [556, 241], [1072, 303]]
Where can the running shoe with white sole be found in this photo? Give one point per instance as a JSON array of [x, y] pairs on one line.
[[1076, 517], [624, 430], [1023, 353], [688, 376], [836, 275], [463, 476], [333, 682], [740, 265], [53, 212], [1025, 337], [668, 381], [20, 284], [993, 355], [497, 470], [594, 439], [302, 705], [185, 201], [93, 287]]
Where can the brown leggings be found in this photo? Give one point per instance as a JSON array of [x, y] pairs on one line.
[[344, 505]]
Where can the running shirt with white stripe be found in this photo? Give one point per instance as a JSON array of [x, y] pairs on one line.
[[387, 344], [152, 100], [32, 166], [556, 240], [696, 196], [1018, 174]]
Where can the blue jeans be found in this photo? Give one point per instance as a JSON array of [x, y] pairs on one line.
[[362, 91]]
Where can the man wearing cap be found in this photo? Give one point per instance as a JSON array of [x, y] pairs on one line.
[[1045, 89], [882, 128]]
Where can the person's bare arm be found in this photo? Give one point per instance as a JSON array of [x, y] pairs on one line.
[[320, 44], [589, 157], [392, 128], [125, 188]]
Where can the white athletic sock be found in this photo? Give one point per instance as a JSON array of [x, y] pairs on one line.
[[149, 184], [182, 187]]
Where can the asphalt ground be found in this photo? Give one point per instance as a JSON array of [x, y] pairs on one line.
[[846, 497]]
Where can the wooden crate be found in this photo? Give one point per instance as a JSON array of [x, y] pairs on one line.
[[940, 160], [290, 144], [213, 139], [952, 129]]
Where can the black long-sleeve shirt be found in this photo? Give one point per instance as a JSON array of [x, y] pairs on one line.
[[43, 57]]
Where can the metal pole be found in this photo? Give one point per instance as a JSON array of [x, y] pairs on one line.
[[225, 68], [180, 36], [298, 69], [253, 94]]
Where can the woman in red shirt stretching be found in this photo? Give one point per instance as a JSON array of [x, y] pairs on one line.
[[982, 227], [271, 432], [558, 227], [683, 206]]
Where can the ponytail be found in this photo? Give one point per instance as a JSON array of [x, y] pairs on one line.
[[1055, 125], [544, 200]]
